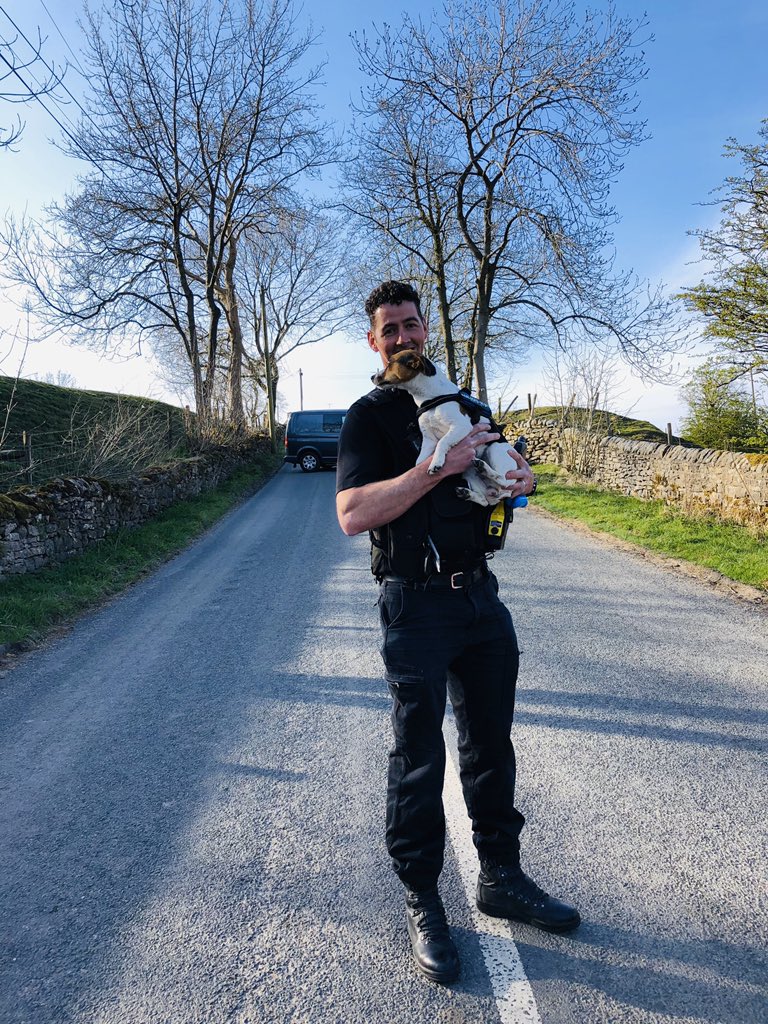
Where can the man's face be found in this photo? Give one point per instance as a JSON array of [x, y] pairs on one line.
[[396, 328]]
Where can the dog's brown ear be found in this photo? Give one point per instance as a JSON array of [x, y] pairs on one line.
[[429, 367]]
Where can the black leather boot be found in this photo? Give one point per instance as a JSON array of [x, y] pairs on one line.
[[506, 891], [433, 948]]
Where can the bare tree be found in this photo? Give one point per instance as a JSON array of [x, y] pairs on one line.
[[298, 263], [297, 260], [300, 272], [8, 403], [61, 378], [583, 381], [401, 188], [201, 118], [517, 114], [19, 83]]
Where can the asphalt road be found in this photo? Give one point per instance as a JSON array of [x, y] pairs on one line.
[[192, 795]]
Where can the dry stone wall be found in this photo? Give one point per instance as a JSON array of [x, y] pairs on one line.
[[40, 526], [732, 485]]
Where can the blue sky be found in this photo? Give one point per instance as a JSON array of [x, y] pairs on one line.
[[707, 80]]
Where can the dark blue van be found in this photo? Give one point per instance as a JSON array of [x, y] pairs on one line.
[[312, 438]]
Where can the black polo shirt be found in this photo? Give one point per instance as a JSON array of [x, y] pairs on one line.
[[367, 451]]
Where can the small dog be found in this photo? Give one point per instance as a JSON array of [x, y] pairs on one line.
[[445, 422]]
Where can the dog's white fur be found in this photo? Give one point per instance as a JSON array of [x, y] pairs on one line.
[[446, 425]]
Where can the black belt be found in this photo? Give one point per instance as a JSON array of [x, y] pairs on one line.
[[453, 580]]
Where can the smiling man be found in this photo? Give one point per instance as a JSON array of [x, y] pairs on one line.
[[444, 631]]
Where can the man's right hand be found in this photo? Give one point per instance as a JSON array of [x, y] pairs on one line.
[[459, 458]]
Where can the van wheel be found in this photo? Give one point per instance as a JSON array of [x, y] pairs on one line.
[[309, 462]]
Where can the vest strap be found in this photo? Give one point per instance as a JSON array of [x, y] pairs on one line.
[[474, 408]]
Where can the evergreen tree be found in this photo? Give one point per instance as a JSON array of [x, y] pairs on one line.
[[734, 299], [722, 413]]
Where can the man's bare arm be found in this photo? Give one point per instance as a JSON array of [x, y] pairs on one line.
[[364, 508]]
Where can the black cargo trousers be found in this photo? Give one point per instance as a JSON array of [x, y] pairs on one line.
[[463, 640]]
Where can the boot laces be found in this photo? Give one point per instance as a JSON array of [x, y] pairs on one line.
[[524, 887], [429, 915]]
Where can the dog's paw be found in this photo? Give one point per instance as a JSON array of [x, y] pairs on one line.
[[467, 494], [488, 475], [435, 467]]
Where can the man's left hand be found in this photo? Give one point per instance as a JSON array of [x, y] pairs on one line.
[[521, 479]]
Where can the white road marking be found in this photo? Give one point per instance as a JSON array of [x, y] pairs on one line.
[[511, 988]]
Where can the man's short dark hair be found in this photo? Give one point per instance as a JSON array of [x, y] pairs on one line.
[[392, 293]]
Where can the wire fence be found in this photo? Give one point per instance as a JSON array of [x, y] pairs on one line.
[[109, 448]]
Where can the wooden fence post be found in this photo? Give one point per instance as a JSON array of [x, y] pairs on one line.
[[26, 440]]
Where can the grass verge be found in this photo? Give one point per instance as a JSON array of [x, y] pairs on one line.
[[32, 605], [735, 551]]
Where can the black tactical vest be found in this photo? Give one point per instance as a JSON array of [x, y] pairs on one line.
[[456, 527]]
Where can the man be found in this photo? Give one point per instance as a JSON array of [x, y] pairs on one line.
[[443, 626]]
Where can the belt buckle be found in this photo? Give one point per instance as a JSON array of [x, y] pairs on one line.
[[454, 585]]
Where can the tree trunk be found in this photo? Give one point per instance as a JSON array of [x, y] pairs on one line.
[[469, 370], [482, 322], [202, 395], [444, 312], [268, 368], [202, 408], [235, 369], [213, 343]]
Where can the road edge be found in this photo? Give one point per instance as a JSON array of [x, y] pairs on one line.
[[9, 652], [715, 581]]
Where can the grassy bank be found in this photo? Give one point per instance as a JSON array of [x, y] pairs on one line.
[[53, 410], [613, 423], [50, 431], [32, 605], [732, 550]]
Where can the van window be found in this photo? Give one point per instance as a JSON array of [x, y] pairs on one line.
[[307, 423], [332, 422], [304, 423]]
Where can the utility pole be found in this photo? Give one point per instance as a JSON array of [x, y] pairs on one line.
[[301, 389], [268, 370]]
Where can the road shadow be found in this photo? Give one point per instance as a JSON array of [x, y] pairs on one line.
[[618, 724], [657, 977]]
